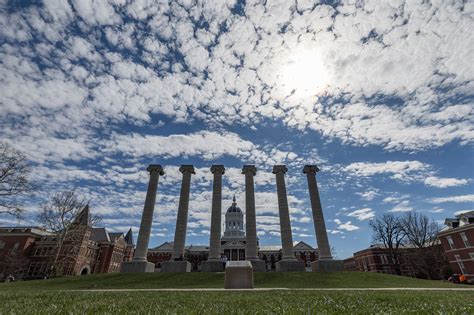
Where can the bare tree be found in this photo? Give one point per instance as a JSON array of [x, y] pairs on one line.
[[388, 230], [425, 255], [67, 216], [14, 181], [420, 231]]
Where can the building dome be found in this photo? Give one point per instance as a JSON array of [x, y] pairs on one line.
[[234, 207], [234, 221]]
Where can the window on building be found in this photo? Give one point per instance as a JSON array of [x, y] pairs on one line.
[[450, 241], [15, 247], [464, 239], [460, 264], [472, 256], [2, 244]]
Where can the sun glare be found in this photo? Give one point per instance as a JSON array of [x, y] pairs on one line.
[[303, 74]]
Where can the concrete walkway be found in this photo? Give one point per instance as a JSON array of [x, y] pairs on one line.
[[276, 289]]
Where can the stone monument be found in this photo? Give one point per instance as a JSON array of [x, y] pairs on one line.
[[214, 263], [325, 262], [178, 262], [139, 262], [288, 260], [238, 275], [251, 246]]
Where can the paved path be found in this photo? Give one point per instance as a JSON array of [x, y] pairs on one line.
[[278, 289]]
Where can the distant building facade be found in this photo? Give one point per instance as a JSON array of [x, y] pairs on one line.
[[233, 244], [30, 252], [377, 258], [457, 240]]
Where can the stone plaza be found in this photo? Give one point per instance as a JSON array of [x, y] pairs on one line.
[[288, 261]]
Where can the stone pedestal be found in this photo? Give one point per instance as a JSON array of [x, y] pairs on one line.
[[238, 275], [212, 266], [137, 266], [258, 265], [289, 265], [329, 265], [176, 266]]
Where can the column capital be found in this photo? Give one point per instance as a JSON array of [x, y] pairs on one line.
[[220, 169], [187, 168], [279, 169], [155, 168], [310, 169], [249, 169]]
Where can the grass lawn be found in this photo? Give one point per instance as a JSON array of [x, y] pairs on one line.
[[276, 302], [216, 280], [54, 296]]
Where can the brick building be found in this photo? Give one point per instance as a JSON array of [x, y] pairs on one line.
[[412, 262], [457, 240], [377, 259], [30, 252]]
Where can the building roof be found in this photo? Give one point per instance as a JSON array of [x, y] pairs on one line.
[[269, 248], [114, 236], [100, 235], [233, 207], [129, 237], [460, 220], [34, 230], [83, 217]]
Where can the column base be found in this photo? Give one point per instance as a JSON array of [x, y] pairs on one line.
[[327, 266], [238, 275], [134, 266], [290, 265], [258, 265], [212, 266], [176, 266]]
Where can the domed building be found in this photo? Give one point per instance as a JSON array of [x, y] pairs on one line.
[[233, 243], [234, 239]]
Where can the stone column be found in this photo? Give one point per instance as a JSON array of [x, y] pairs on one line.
[[251, 246], [139, 262], [285, 225], [216, 214], [288, 261], [182, 219], [318, 218], [250, 216]]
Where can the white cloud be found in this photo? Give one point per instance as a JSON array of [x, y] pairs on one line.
[[304, 219], [208, 145], [368, 195], [403, 206], [397, 169], [348, 226], [456, 199], [362, 214], [444, 182]]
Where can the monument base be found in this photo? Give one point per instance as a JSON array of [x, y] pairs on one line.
[[176, 266], [212, 266], [289, 265], [258, 265], [137, 266], [327, 265], [238, 275]]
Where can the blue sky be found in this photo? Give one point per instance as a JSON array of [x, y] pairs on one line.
[[378, 94]]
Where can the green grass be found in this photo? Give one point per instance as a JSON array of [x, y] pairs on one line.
[[53, 296], [216, 280], [273, 302]]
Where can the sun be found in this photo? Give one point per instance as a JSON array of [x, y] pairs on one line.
[[303, 74]]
